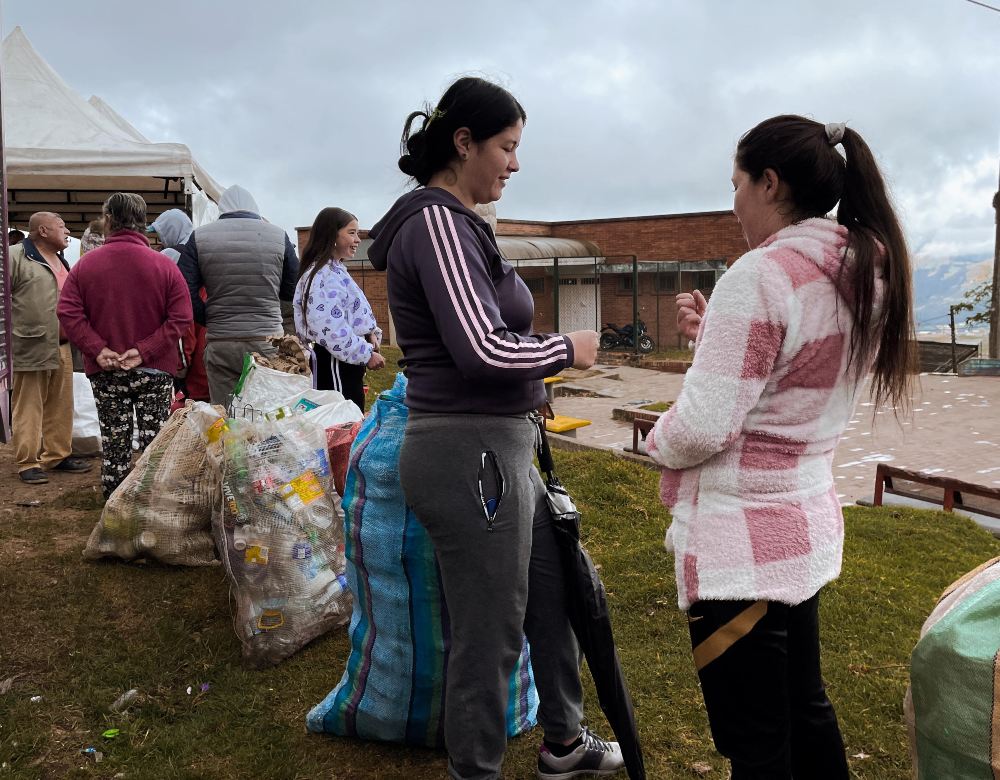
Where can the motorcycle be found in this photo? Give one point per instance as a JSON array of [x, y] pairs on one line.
[[614, 337]]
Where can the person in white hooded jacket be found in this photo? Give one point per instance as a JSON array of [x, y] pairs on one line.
[[247, 267], [174, 228]]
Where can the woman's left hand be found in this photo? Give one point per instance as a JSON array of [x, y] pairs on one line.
[[375, 362], [130, 359]]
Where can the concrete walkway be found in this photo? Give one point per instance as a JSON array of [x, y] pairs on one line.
[[954, 428]]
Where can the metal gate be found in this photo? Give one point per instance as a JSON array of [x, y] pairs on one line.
[[579, 307]]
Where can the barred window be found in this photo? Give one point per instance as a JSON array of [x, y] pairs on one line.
[[667, 282]]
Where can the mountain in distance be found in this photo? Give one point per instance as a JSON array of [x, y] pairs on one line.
[[936, 287]]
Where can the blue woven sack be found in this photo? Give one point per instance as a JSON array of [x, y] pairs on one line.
[[393, 687]]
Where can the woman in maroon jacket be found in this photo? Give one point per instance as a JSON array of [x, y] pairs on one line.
[[125, 306]]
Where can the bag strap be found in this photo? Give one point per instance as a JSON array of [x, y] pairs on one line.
[[544, 453]]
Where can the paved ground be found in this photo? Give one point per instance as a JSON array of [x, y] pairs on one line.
[[954, 428]]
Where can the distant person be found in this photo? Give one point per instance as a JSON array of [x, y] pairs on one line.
[[475, 369], [247, 267], [174, 228], [14, 237], [784, 349], [332, 312], [125, 308], [93, 236], [42, 413]]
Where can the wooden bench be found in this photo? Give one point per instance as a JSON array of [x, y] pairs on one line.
[[565, 425], [914, 488], [642, 424], [550, 386]]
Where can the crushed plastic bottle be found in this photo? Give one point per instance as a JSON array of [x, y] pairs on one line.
[[123, 701]]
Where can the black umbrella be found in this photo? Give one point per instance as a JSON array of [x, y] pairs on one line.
[[588, 614]]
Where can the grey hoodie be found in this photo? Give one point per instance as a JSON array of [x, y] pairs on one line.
[[462, 314]]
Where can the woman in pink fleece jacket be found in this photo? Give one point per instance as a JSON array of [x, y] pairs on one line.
[[783, 352]]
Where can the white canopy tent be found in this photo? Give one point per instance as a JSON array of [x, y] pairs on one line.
[[67, 154]]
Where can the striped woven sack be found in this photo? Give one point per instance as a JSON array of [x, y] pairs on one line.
[[952, 707], [393, 686]]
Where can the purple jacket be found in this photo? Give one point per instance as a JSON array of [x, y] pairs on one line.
[[462, 314]]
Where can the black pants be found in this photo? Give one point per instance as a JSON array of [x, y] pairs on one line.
[[758, 662], [333, 374]]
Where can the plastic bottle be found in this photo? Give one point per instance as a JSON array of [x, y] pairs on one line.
[[146, 541], [123, 701], [236, 456]]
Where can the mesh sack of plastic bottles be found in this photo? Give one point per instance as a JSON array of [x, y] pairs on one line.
[[163, 508], [393, 686], [952, 707], [279, 529]]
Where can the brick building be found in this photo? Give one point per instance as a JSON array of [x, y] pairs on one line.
[[586, 269]]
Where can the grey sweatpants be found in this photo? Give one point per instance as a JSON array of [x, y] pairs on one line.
[[497, 583]]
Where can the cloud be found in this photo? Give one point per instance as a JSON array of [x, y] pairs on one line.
[[633, 107]]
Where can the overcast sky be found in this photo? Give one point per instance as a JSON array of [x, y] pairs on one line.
[[634, 107]]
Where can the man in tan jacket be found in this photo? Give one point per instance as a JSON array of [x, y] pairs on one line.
[[42, 414]]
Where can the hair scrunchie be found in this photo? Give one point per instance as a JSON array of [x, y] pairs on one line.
[[835, 132]]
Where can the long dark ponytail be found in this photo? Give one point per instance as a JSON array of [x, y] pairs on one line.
[[803, 154], [319, 248]]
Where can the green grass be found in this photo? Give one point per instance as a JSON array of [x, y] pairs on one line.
[[671, 354], [382, 379], [659, 406], [79, 634]]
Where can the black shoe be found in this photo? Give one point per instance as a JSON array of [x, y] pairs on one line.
[[72, 465], [33, 476]]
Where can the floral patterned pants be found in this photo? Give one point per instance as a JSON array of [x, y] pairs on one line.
[[116, 394]]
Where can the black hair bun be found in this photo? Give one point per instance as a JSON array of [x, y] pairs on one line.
[[408, 165]]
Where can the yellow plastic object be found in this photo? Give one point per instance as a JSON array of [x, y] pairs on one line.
[[256, 553], [270, 619], [562, 424]]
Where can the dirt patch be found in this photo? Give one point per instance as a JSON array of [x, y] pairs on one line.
[[16, 492]]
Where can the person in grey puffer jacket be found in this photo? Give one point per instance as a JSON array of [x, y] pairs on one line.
[[247, 267]]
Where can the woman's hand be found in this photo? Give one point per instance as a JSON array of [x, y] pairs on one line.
[[690, 310], [375, 362], [131, 359], [108, 360], [584, 347]]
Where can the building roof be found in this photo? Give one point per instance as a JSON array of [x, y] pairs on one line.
[[545, 247], [523, 251]]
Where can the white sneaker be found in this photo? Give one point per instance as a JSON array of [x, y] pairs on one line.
[[595, 757]]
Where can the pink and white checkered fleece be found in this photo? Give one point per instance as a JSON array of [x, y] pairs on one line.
[[748, 448]]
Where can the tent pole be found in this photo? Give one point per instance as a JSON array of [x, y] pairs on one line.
[[6, 369]]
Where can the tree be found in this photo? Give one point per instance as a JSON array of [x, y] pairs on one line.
[[978, 298]]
